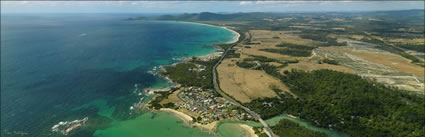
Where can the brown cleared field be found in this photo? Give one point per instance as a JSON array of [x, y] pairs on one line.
[[267, 37], [381, 66], [173, 98], [245, 85], [359, 58], [267, 40], [391, 60], [363, 59]]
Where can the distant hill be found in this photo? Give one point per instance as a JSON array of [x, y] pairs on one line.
[[209, 16], [413, 12], [403, 16]]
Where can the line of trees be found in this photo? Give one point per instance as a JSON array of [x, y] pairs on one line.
[[390, 48], [295, 46], [329, 61], [290, 52], [415, 47]]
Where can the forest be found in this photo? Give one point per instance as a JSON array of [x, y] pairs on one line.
[[347, 103], [286, 128], [187, 74]]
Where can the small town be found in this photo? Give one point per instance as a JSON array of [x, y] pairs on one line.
[[209, 106]]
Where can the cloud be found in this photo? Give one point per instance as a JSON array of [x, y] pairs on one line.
[[198, 6], [24, 2], [263, 5], [245, 3], [276, 2], [269, 2]]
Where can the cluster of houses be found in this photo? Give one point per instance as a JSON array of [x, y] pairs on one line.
[[209, 106], [198, 68], [214, 55]]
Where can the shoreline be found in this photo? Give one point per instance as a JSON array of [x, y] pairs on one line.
[[186, 118], [184, 59], [235, 39], [249, 130], [237, 35], [211, 127]]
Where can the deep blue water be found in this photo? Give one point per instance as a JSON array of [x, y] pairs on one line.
[[53, 63]]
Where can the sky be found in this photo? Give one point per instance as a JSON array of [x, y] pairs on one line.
[[202, 6]]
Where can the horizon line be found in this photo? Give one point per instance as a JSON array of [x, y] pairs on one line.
[[352, 11]]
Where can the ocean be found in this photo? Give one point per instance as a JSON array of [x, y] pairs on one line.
[[65, 67]]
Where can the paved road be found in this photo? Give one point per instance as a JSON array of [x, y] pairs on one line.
[[267, 129]]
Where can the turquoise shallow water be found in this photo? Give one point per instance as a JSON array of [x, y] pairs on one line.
[[229, 129], [228, 126], [160, 124], [66, 67]]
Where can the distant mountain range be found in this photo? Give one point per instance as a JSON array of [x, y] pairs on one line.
[[209, 16]]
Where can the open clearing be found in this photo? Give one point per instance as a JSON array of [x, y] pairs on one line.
[[382, 66], [247, 84], [173, 98], [310, 66], [358, 57], [244, 84]]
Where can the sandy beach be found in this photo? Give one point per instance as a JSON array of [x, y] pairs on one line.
[[249, 130], [181, 115], [211, 127], [204, 57], [235, 39]]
